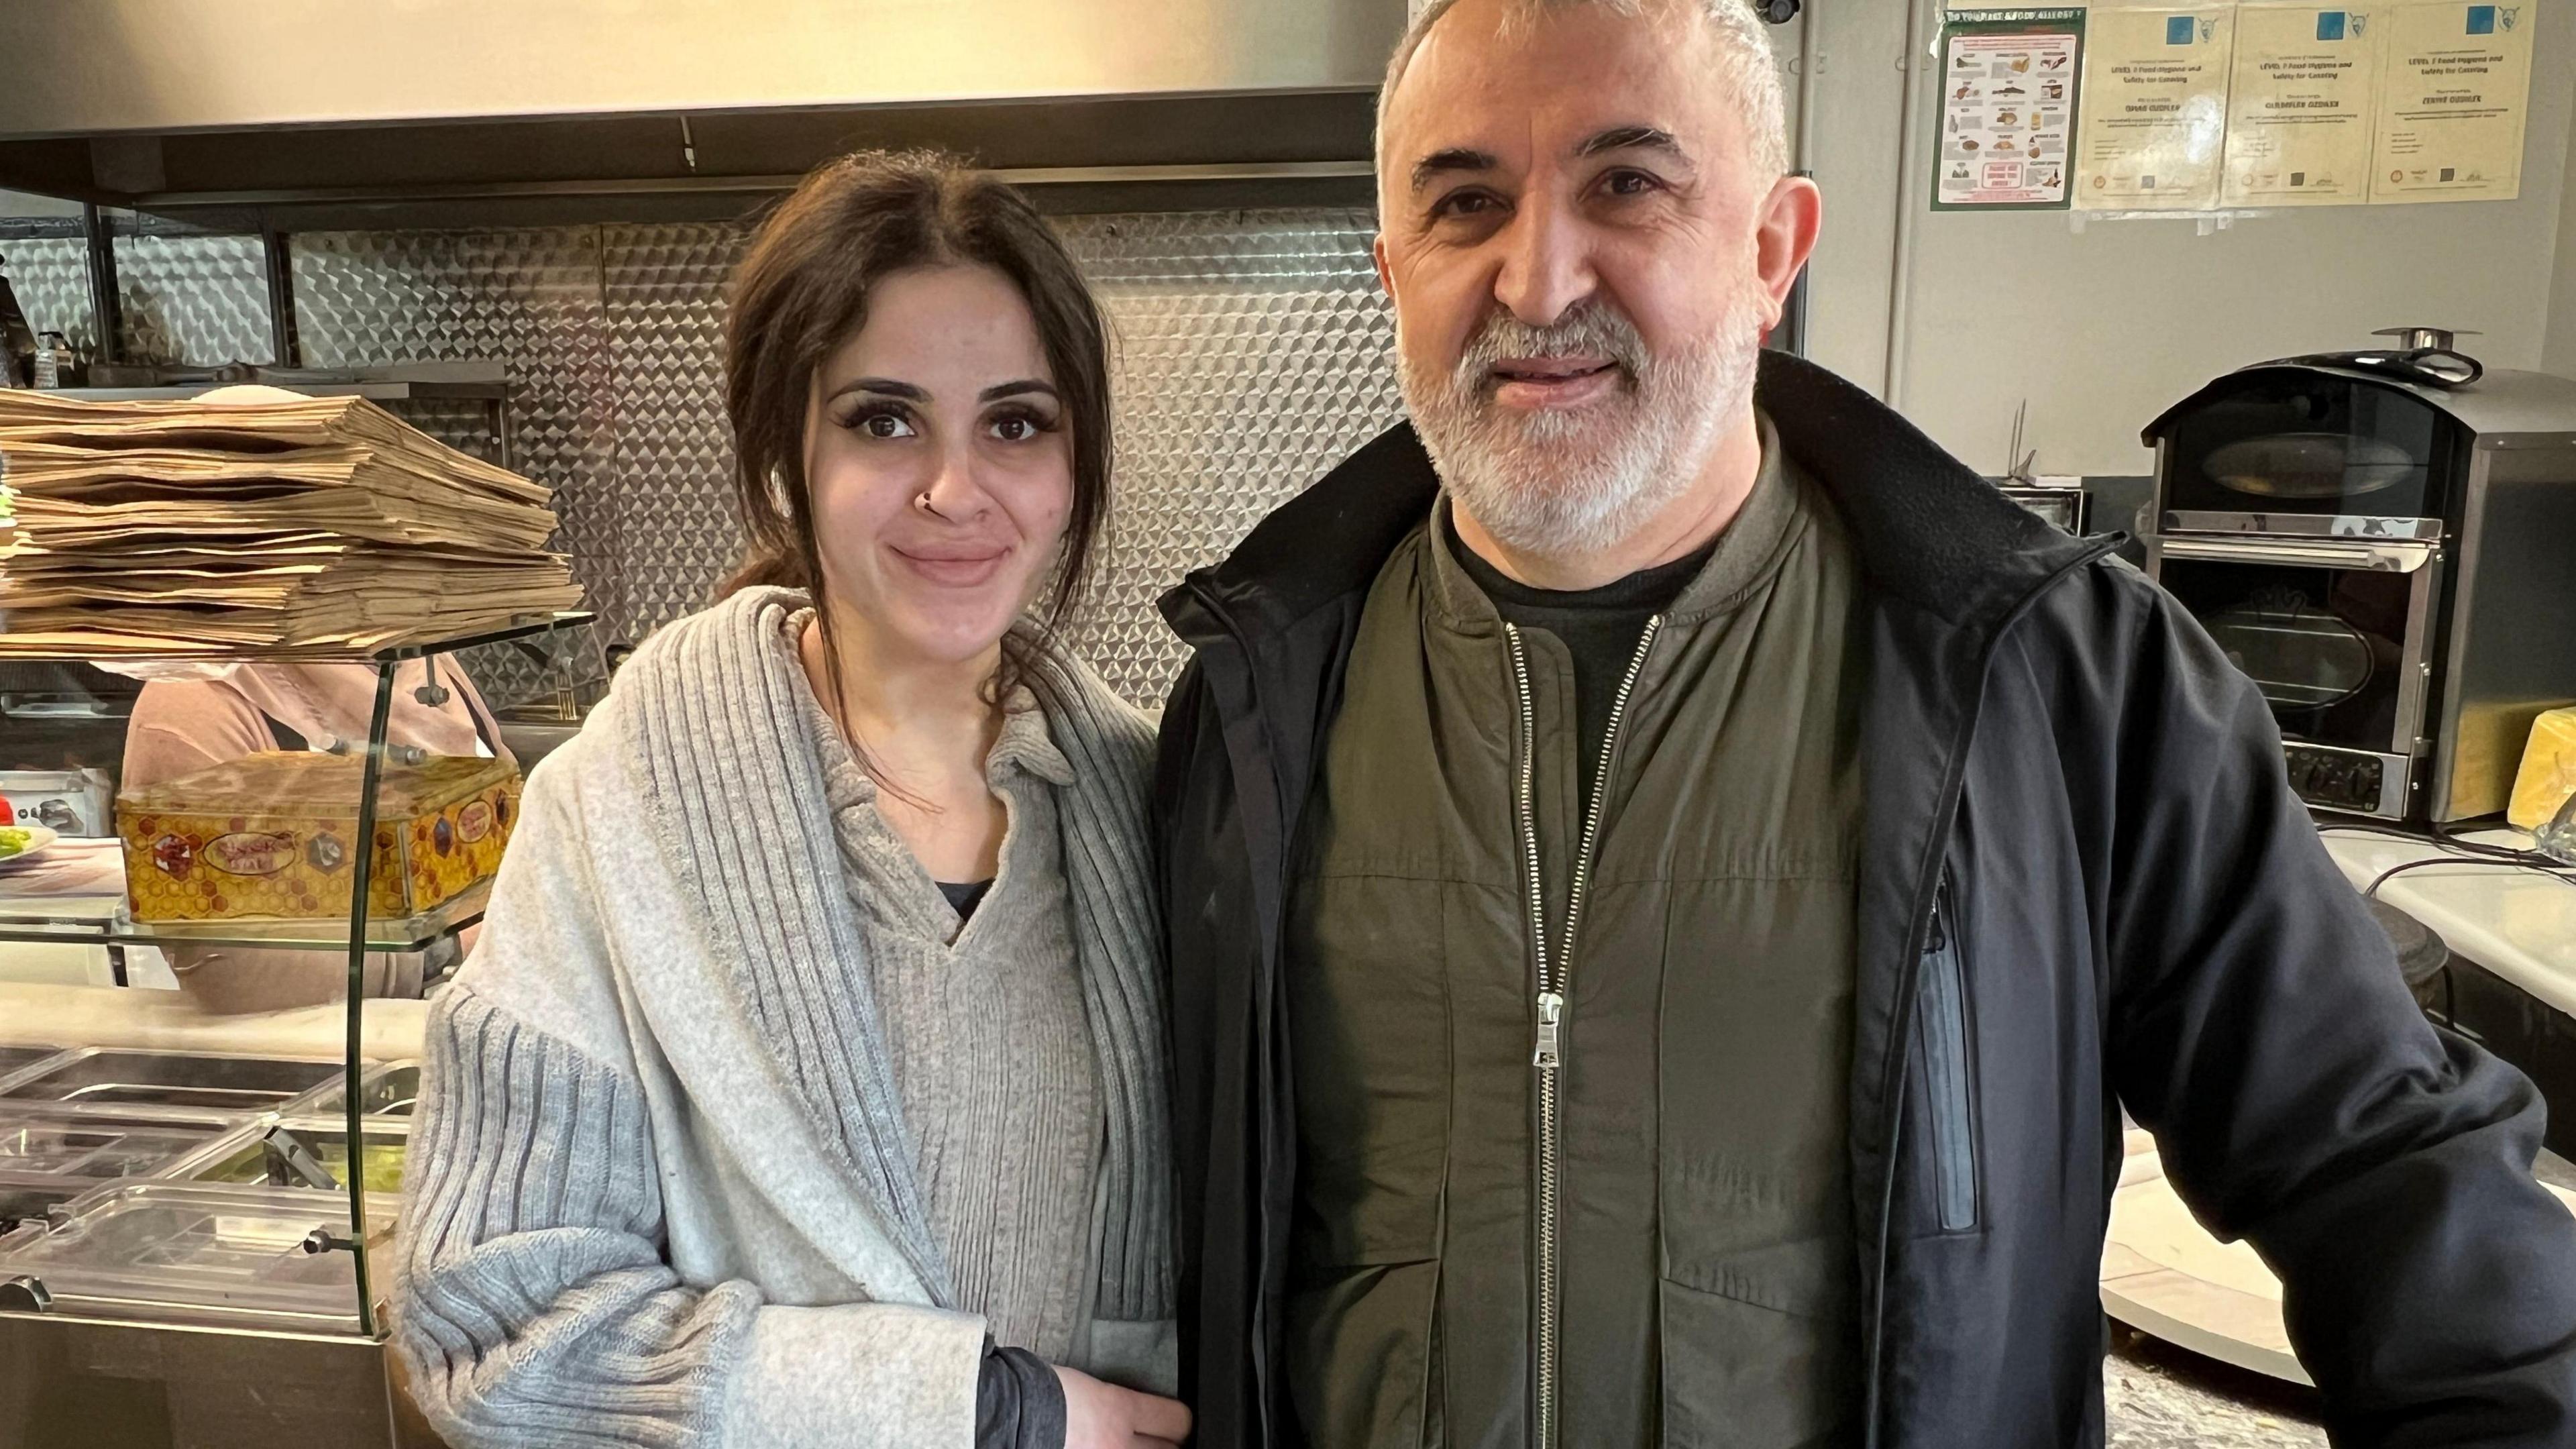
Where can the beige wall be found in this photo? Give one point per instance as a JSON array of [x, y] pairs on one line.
[[2558, 351], [2101, 329]]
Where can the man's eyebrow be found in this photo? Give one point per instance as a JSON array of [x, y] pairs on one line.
[[1452, 158], [1632, 138]]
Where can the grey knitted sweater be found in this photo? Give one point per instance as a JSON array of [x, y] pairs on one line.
[[985, 1031], [664, 1190]]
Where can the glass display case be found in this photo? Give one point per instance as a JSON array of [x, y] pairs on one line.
[[226, 884]]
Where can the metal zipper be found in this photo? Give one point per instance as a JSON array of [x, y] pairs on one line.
[[1547, 1054]]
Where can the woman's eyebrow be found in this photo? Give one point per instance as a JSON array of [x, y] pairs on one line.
[[883, 385], [1015, 389]]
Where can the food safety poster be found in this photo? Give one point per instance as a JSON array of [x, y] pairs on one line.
[[2153, 127], [2452, 93], [2010, 82], [2302, 106]]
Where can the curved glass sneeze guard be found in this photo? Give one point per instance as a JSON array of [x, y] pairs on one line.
[[257, 837]]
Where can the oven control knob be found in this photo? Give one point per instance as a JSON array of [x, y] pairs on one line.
[[2303, 768]]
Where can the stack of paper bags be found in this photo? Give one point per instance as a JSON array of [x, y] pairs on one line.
[[218, 527]]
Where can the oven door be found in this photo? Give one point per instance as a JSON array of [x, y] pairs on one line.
[[2293, 451], [2334, 633]]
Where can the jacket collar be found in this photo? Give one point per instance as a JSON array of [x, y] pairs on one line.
[[1927, 530]]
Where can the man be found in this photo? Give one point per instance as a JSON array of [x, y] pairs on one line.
[[1671, 879]]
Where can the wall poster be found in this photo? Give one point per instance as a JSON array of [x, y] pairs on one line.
[[2009, 82], [2452, 93], [2301, 109], [2153, 126]]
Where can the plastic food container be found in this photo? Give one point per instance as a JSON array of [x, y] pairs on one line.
[[60, 1143], [52, 1155], [182, 1252], [288, 1154], [388, 1090], [187, 1082], [16, 1060]]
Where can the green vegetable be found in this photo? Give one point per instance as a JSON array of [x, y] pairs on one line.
[[13, 840], [384, 1171]]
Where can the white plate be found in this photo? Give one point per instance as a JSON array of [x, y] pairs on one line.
[[38, 837]]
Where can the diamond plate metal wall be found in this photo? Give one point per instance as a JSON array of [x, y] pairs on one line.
[[198, 300], [195, 299], [529, 299], [1253, 352], [50, 277], [664, 287]]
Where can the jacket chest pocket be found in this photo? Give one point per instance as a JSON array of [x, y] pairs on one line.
[[1942, 1030]]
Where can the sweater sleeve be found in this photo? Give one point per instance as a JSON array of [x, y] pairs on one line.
[[535, 1303]]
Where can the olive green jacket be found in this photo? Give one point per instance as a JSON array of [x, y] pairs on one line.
[[1701, 1270]]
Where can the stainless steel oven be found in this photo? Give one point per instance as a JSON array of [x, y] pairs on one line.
[[2390, 555]]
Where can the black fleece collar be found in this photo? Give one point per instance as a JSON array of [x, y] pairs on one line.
[[1927, 529]]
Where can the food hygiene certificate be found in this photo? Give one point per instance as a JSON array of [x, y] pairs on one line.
[[2008, 86], [2154, 122], [2301, 108], [2452, 93]]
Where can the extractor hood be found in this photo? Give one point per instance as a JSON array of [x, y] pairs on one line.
[[304, 113]]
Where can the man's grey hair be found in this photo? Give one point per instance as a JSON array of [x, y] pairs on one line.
[[1745, 66]]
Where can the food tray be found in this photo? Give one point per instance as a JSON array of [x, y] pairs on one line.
[[386, 1090], [59, 1143], [29, 1200], [244, 1159], [51, 1155], [182, 1252], [186, 1082], [18, 1061]]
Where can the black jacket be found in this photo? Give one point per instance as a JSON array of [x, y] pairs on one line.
[[2141, 913]]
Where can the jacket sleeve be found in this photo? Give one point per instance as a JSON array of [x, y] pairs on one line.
[[2261, 1030], [534, 1301]]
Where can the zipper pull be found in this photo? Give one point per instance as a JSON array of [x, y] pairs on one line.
[[1551, 1007], [1937, 936]]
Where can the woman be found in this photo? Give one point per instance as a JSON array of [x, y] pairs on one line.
[[806, 1087]]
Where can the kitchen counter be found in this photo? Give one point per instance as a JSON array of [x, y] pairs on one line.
[[115, 1016], [2519, 924]]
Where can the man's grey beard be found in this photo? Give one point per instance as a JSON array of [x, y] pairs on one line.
[[1578, 481]]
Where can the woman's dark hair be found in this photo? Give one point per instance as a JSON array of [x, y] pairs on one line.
[[802, 291]]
